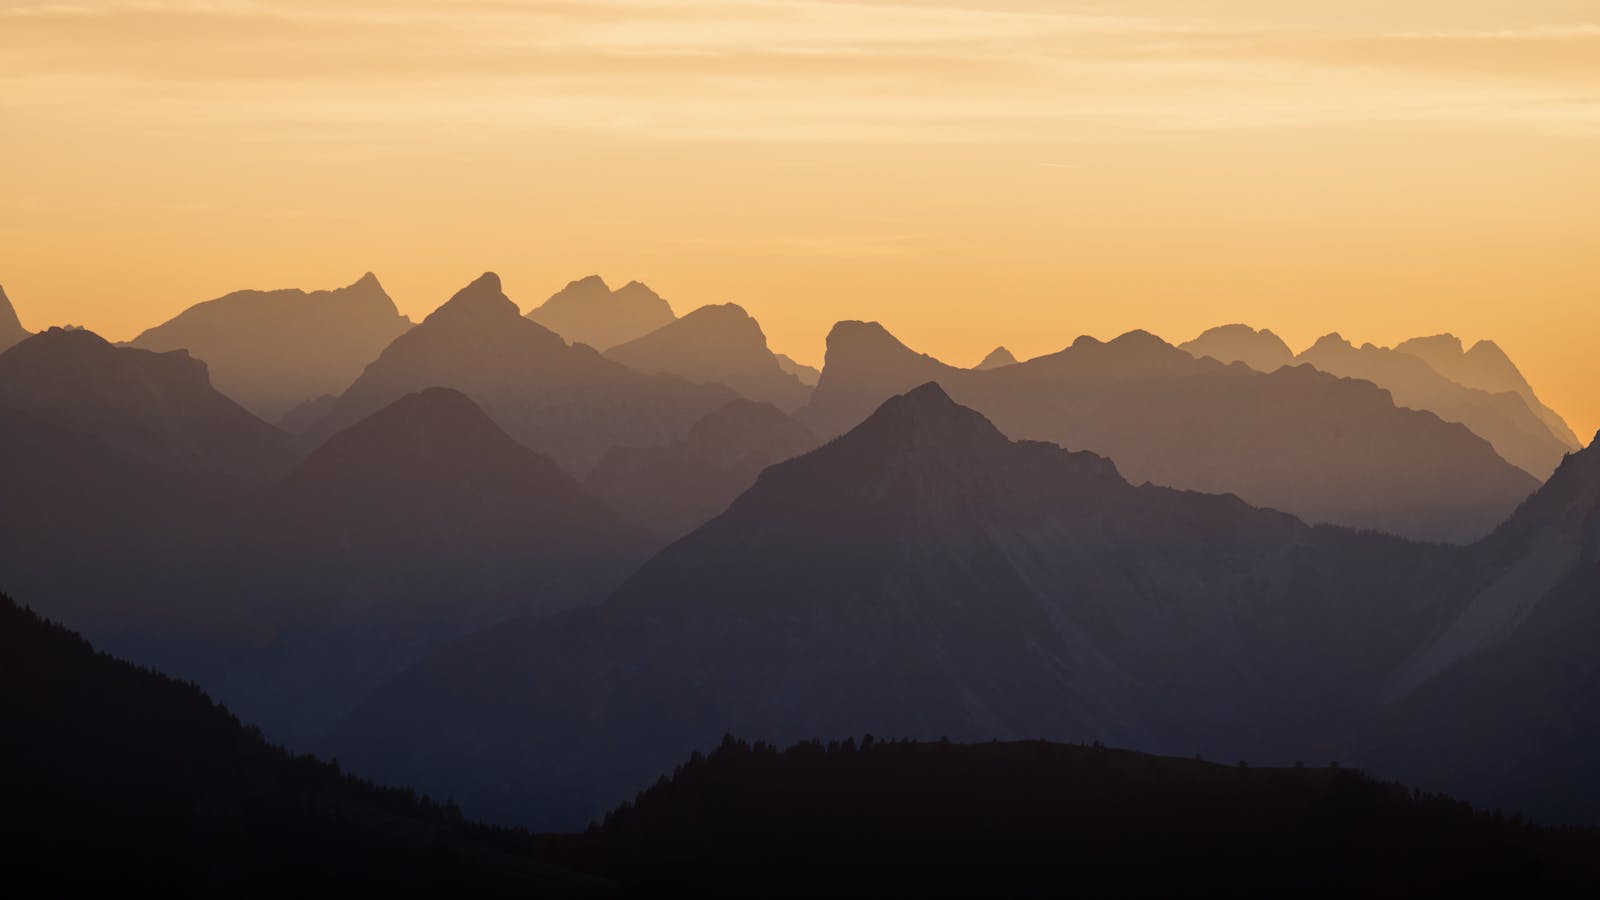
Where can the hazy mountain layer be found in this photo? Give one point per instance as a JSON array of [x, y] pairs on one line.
[[922, 576], [808, 376], [563, 400], [720, 344], [273, 350], [1487, 368], [1260, 350], [587, 311], [997, 357], [1323, 448]]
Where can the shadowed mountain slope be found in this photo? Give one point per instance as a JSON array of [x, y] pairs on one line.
[[1031, 818], [1487, 368], [997, 357], [673, 489], [1503, 419], [11, 330], [1260, 350], [410, 528], [587, 311], [273, 350], [1323, 448], [1512, 679], [116, 777], [807, 375], [921, 576], [563, 400], [158, 406], [720, 344]]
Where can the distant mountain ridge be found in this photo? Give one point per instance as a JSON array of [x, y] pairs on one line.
[[1323, 448], [1487, 368], [997, 357], [1260, 350], [563, 400], [719, 344], [244, 338], [588, 311]]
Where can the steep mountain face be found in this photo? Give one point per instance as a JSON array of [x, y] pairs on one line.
[[1503, 419], [409, 528], [169, 794], [1512, 677], [675, 488], [719, 344], [565, 401], [921, 576], [157, 406], [587, 311], [1323, 448], [808, 376], [11, 330], [997, 357], [273, 350], [1487, 368], [1260, 350]]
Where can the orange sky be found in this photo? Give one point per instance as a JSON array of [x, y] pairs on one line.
[[968, 174]]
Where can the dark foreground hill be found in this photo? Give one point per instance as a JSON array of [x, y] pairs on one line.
[[1040, 819], [119, 778]]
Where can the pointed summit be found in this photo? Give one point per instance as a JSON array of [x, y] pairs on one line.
[[1260, 350], [587, 311], [719, 344], [997, 357], [482, 300], [11, 330], [1487, 368]]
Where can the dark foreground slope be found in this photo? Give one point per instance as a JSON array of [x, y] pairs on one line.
[[117, 777], [1039, 819]]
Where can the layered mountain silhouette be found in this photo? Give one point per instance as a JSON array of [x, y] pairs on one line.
[[587, 311], [1260, 350], [673, 489], [117, 777], [808, 376], [160, 407], [1323, 448], [563, 400], [1503, 703], [11, 330], [412, 527], [922, 576], [1487, 368], [997, 357], [1503, 419], [720, 344], [1031, 818], [273, 350]]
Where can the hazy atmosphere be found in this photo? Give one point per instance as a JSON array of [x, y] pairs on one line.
[[970, 175]]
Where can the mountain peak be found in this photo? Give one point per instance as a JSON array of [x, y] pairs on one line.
[[1333, 340], [481, 299], [1261, 350], [11, 330], [368, 282], [587, 311], [997, 357]]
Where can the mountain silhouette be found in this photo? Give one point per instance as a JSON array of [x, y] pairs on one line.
[[675, 488], [1029, 818], [563, 400], [807, 375], [1501, 705], [167, 793], [11, 330], [158, 406], [921, 576], [307, 415], [1487, 368], [720, 344], [273, 350], [997, 357], [411, 527], [1260, 350], [1323, 448], [587, 311], [1503, 419]]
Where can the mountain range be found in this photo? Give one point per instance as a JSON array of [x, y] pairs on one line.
[[1322, 448], [244, 338], [587, 311], [719, 344]]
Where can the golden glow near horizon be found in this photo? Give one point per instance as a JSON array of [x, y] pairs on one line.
[[990, 173]]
